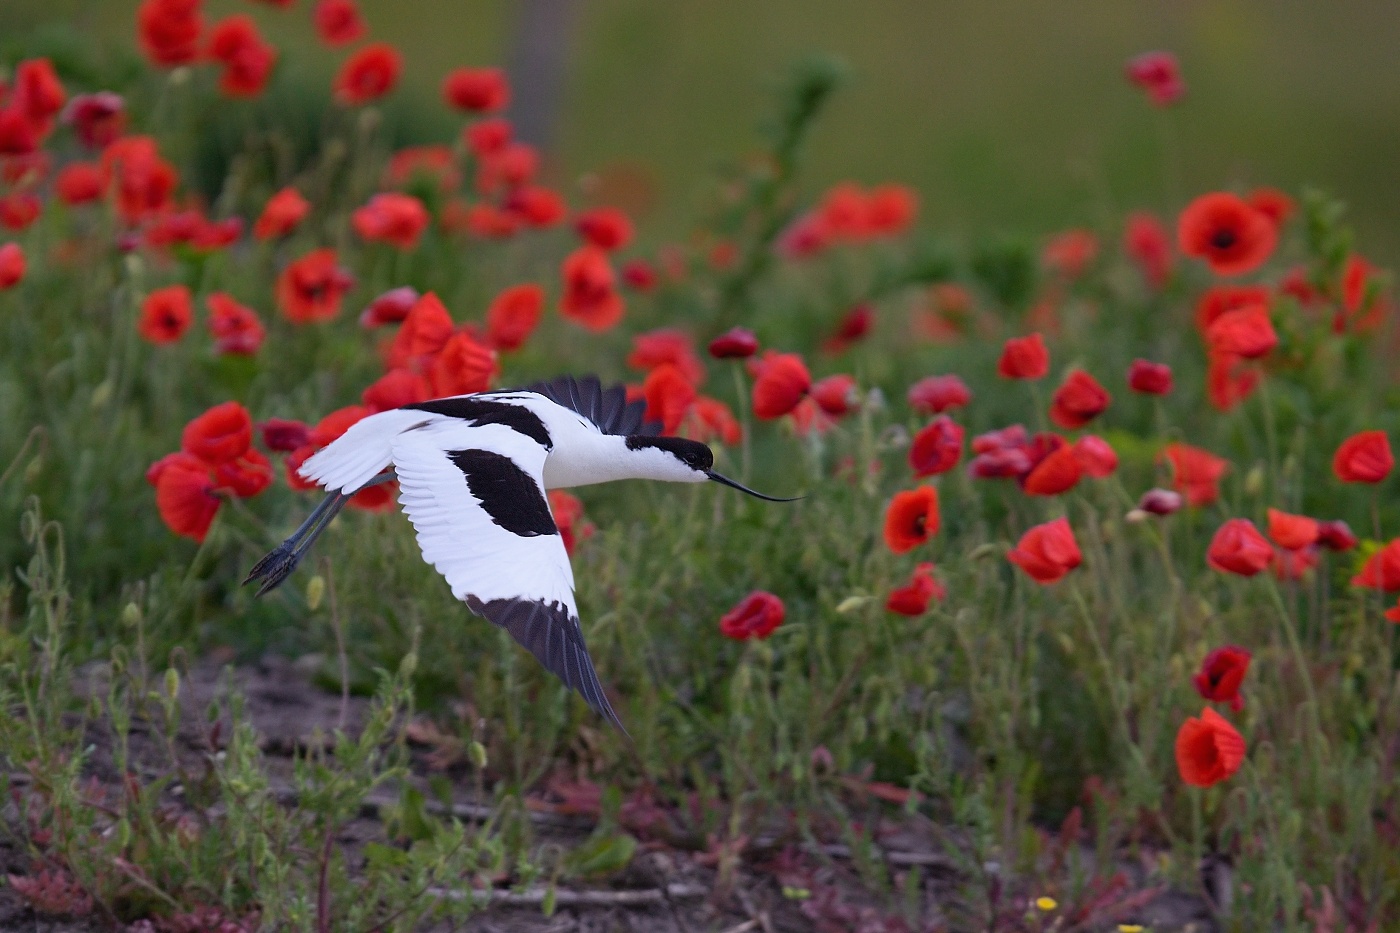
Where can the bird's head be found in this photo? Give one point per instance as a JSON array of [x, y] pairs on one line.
[[679, 460]]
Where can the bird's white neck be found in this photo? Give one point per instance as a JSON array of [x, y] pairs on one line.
[[591, 458]]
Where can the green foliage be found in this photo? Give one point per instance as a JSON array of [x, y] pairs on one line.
[[1008, 707]]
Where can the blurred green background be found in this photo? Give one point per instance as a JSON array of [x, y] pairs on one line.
[[1004, 114]]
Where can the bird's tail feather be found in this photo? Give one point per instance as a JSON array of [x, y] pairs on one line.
[[361, 453]]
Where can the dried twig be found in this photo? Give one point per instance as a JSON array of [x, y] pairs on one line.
[[536, 896]]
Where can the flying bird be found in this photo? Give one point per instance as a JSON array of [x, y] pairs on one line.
[[472, 473]]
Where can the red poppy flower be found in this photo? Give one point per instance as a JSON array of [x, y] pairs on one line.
[[590, 294], [668, 395], [368, 74], [842, 211], [476, 90], [1335, 536], [1079, 400], [236, 328], [937, 394], [462, 367], [1227, 233], [143, 180], [1208, 749], [1150, 378], [853, 327], [393, 218], [284, 435], [509, 167], [536, 206], [667, 345], [736, 344], [1293, 564], [937, 447], [389, 308], [338, 22], [1246, 333], [487, 137], [639, 274], [12, 265], [246, 475], [1096, 456], [312, 287], [1229, 380], [165, 314], [1222, 672], [432, 163], [169, 31], [890, 209], [1058, 472], [18, 134], [1047, 552], [1273, 204], [235, 43], [757, 615], [1195, 472], [424, 332], [1160, 502], [1360, 300], [79, 183], [1292, 531], [186, 498], [1382, 569], [221, 434], [782, 382], [19, 209], [568, 518], [1220, 300], [1239, 548], [37, 92], [709, 420], [282, 214], [1024, 358], [1363, 458], [98, 119], [1146, 241], [513, 315], [913, 598], [805, 236], [395, 389], [1157, 73], [911, 519], [1070, 253], [604, 227], [836, 395]]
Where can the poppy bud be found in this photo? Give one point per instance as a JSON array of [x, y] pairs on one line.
[[739, 343]]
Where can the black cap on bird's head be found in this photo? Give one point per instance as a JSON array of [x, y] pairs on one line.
[[698, 458]]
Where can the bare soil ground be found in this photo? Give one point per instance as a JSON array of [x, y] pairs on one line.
[[664, 890]]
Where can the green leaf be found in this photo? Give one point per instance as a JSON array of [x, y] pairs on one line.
[[602, 855]]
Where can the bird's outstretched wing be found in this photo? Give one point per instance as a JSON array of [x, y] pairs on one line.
[[476, 498]]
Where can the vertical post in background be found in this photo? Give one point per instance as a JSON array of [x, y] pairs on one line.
[[537, 65]]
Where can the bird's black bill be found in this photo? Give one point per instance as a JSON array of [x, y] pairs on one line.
[[726, 481]]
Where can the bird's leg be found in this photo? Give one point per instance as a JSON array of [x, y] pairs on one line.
[[279, 564]]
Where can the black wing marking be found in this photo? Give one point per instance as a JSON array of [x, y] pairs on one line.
[[608, 409], [478, 411], [508, 494], [552, 634]]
